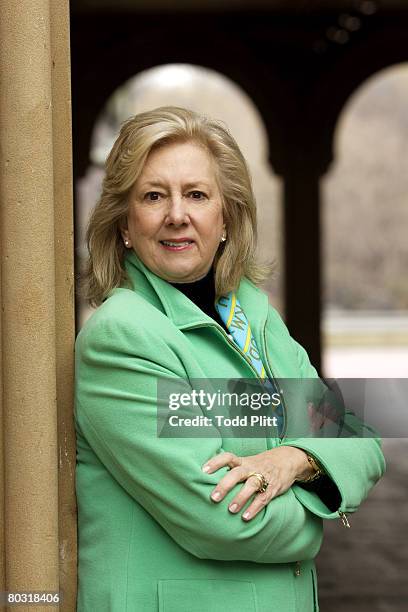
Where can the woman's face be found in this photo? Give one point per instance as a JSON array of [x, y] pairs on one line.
[[176, 200]]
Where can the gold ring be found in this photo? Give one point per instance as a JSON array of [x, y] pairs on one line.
[[263, 483]]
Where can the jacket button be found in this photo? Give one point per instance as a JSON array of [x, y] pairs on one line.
[[298, 569]]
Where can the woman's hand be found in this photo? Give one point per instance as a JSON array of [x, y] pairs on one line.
[[280, 466]]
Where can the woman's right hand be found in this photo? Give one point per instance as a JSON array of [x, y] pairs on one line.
[[280, 467]]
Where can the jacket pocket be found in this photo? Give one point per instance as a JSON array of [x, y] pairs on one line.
[[305, 584], [206, 596], [314, 587]]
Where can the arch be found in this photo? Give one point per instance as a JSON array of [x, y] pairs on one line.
[[369, 145], [177, 84], [226, 54], [331, 91]]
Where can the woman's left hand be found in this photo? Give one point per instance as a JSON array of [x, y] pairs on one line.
[[280, 466]]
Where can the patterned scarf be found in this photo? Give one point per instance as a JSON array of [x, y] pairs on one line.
[[232, 314]]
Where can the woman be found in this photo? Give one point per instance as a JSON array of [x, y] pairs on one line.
[[192, 524]]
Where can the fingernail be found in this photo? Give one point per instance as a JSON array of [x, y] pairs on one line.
[[206, 468], [216, 496], [233, 507], [246, 515]]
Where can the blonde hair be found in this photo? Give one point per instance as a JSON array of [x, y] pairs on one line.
[[104, 269]]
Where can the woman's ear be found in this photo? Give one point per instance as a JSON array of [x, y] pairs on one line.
[[124, 232]]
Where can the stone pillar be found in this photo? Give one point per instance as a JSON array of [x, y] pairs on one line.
[[2, 517], [64, 296], [303, 257], [37, 299]]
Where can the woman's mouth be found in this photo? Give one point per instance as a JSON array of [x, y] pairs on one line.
[[174, 245]]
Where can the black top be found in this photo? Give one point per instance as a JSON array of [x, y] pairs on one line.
[[202, 293]]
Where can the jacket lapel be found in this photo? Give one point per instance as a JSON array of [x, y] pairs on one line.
[[180, 309]]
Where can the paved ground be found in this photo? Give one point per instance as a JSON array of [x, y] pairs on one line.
[[365, 568]]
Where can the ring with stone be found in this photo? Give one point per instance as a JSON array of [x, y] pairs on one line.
[[263, 483]]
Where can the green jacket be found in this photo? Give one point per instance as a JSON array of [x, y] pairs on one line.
[[150, 539]]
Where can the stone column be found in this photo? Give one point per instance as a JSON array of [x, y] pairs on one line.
[[303, 257], [2, 517], [36, 298], [64, 296]]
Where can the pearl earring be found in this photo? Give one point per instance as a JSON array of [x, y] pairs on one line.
[[223, 238], [127, 243]]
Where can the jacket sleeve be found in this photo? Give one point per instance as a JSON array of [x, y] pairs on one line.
[[353, 463], [118, 366]]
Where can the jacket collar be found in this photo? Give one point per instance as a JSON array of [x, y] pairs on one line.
[[179, 308]]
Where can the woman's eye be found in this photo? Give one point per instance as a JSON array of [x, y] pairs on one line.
[[152, 196], [197, 195]]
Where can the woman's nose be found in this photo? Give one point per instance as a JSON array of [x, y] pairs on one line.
[[177, 212]]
